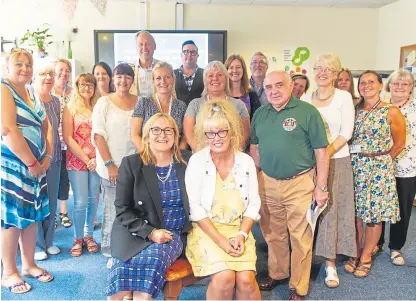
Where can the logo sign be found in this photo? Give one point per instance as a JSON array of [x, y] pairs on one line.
[[289, 124]]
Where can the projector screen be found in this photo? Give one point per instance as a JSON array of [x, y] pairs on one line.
[[114, 46]]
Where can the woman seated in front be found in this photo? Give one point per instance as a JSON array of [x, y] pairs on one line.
[[221, 182], [152, 212]]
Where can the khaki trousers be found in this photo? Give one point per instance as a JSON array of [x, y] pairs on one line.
[[283, 207]]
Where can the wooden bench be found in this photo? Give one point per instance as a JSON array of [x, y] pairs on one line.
[[178, 275]]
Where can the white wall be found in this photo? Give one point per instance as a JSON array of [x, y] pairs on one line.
[[396, 28], [350, 33]]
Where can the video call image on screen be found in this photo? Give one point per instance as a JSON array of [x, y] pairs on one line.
[[115, 47]]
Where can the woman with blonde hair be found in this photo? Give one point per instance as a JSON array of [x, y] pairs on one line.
[[163, 100], [152, 212], [80, 161], [25, 156], [239, 84], [62, 89], [217, 87], [224, 203], [336, 232]]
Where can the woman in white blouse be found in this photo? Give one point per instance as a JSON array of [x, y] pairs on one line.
[[401, 84], [336, 233], [111, 125]]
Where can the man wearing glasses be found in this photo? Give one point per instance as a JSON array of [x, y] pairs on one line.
[[189, 78], [145, 46], [258, 67], [288, 143]]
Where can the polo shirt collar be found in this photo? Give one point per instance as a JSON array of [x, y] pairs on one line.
[[293, 102]]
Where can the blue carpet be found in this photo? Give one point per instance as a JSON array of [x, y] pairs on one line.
[[84, 278]]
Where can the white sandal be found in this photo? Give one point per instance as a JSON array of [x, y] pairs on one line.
[[332, 279]]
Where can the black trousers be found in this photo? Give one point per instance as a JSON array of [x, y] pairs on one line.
[[406, 190]]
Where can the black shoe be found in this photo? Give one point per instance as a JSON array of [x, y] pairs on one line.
[[293, 295], [267, 284]]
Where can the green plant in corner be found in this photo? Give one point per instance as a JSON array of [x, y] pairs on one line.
[[37, 38]]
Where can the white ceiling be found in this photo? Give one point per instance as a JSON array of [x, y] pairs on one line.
[[304, 3]]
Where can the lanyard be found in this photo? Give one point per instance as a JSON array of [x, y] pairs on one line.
[[253, 85], [160, 106], [358, 127]]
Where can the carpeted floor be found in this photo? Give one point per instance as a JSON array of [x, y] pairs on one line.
[[84, 278]]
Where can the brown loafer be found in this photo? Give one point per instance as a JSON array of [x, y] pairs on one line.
[[268, 283], [293, 295]]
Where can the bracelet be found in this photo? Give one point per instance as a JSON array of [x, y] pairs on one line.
[[48, 156], [32, 164], [243, 233], [108, 163]]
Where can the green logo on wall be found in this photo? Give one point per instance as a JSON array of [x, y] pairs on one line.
[[300, 56]]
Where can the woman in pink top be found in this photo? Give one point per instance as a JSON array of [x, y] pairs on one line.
[[80, 157]]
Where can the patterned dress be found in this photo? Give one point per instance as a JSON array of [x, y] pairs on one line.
[[374, 182], [145, 272], [24, 199], [205, 256]]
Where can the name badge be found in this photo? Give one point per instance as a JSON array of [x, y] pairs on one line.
[[228, 186], [355, 149]]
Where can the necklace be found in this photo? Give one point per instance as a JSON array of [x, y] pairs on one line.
[[326, 98], [160, 105], [402, 105], [165, 178]]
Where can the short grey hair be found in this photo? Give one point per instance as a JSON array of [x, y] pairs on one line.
[[400, 74], [216, 65], [260, 54], [144, 32], [42, 65]]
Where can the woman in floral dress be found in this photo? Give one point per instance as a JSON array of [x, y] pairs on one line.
[[379, 137]]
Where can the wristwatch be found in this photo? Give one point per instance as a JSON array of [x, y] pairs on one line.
[[322, 188]]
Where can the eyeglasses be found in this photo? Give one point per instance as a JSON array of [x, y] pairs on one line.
[[158, 131], [88, 86], [401, 85], [45, 74], [261, 63], [190, 52], [326, 70], [221, 134]]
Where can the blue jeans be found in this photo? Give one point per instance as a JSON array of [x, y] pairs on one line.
[[85, 186]]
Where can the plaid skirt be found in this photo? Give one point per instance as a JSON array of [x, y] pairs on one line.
[[145, 271]]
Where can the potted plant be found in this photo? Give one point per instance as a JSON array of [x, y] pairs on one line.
[[38, 39]]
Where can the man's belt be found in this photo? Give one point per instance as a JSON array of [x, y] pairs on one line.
[[297, 175]]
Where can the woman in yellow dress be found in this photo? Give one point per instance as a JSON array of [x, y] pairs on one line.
[[221, 182]]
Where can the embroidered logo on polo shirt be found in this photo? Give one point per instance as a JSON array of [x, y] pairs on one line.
[[289, 124]]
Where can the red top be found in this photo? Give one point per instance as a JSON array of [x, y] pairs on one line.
[[82, 135]]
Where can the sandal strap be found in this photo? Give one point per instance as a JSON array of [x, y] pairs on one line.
[[11, 287], [331, 274], [43, 274], [363, 266]]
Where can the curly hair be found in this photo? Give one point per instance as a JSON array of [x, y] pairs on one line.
[[145, 152], [219, 114]]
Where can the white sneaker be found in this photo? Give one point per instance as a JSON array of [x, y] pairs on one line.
[[53, 250], [41, 255]]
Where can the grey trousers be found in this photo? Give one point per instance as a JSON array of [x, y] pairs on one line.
[[108, 191], [46, 228]]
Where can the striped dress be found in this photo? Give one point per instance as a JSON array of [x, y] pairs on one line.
[[145, 272], [24, 199]]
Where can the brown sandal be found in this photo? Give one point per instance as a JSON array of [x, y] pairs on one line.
[[351, 265], [76, 249], [91, 245], [363, 269]]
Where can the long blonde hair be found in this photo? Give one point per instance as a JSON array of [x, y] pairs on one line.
[[76, 103], [218, 114], [146, 153]]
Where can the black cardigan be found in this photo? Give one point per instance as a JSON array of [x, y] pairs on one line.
[[139, 206]]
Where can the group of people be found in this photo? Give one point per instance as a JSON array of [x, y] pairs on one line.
[[187, 160]]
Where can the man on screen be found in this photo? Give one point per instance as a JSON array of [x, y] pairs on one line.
[[189, 78], [146, 46]]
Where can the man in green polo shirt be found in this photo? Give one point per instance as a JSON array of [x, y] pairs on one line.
[[288, 143]]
